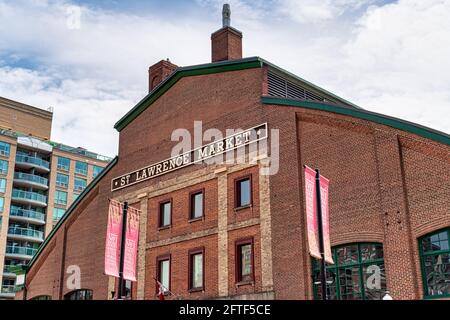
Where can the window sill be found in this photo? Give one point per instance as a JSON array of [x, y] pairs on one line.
[[165, 227], [242, 208], [245, 283], [196, 219], [196, 290]]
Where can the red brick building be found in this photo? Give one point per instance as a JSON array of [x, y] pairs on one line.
[[230, 231]]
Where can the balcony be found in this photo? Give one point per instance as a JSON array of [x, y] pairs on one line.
[[28, 162], [7, 291], [30, 180], [29, 197], [25, 215], [20, 253], [25, 234], [7, 273]]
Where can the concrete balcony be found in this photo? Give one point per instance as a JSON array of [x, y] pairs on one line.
[[7, 292], [29, 162], [30, 180], [20, 253], [25, 234], [7, 273], [25, 215], [29, 197]]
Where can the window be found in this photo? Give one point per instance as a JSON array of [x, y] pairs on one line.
[[163, 272], [82, 294], [43, 297], [357, 274], [2, 203], [58, 213], [60, 197], [435, 261], [244, 260], [62, 180], [75, 196], [96, 170], [63, 163], [196, 270], [81, 168], [2, 185], [79, 184], [196, 205], [3, 167], [4, 149], [165, 213], [243, 188]]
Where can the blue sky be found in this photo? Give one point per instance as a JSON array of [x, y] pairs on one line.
[[387, 56]]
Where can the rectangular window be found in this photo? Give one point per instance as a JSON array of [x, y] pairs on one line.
[[244, 263], [165, 213], [62, 180], [196, 270], [2, 185], [4, 149], [79, 184], [3, 167], [75, 196], [58, 213], [163, 272], [2, 203], [81, 168], [63, 163], [243, 188], [60, 197], [96, 170], [196, 205]]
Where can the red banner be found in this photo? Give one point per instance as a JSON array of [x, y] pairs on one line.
[[113, 235], [131, 244], [324, 188], [311, 212]]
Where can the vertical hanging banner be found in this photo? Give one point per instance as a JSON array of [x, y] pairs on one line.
[[113, 235], [131, 244], [311, 212], [324, 188]]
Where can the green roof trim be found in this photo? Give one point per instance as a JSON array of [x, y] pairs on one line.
[[71, 209], [366, 115], [203, 69]]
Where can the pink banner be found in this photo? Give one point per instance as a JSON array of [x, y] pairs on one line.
[[324, 188], [113, 235], [311, 212], [131, 244]]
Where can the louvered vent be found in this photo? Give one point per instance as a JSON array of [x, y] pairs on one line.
[[280, 87]]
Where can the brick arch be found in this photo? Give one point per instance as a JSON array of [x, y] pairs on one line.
[[357, 237]]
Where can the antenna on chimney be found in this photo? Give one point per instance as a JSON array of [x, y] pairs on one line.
[[226, 15]]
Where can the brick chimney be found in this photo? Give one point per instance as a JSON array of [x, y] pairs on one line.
[[226, 43], [158, 72]]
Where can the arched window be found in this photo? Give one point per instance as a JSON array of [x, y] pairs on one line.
[[435, 261], [357, 274], [42, 297], [83, 294]]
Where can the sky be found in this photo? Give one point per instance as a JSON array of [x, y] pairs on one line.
[[89, 60]]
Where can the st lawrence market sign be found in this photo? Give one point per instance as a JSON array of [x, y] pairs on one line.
[[237, 140]]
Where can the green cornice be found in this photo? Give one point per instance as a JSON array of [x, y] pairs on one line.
[[366, 115], [231, 65], [71, 209]]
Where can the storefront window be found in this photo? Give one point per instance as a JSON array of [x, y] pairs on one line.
[[435, 260], [358, 273]]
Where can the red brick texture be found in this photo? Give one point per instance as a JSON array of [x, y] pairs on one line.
[[386, 186]]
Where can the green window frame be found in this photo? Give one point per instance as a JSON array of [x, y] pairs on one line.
[[3, 167], [434, 251], [2, 185], [81, 168], [63, 163], [4, 148], [351, 277]]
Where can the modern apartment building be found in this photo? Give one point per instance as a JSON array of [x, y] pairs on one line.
[[39, 179]]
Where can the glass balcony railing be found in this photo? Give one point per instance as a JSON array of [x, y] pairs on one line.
[[32, 160], [29, 195], [26, 232], [21, 250], [31, 178], [19, 212], [8, 289]]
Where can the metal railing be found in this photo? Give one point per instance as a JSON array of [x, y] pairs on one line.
[[26, 232], [29, 195], [33, 160], [31, 177], [8, 289], [21, 250], [19, 212]]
